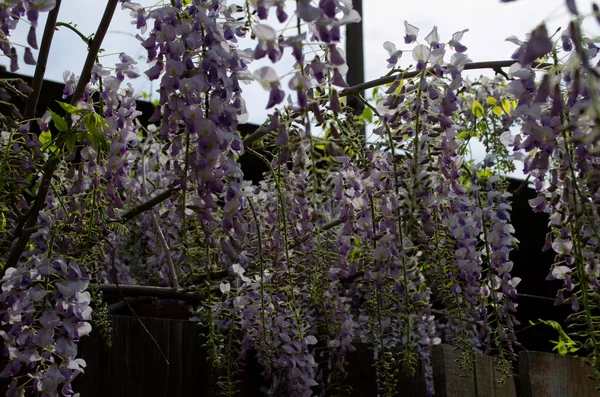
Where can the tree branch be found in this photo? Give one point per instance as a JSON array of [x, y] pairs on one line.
[[158, 292], [94, 48], [54, 160], [263, 130], [469, 66], [42, 61], [148, 204]]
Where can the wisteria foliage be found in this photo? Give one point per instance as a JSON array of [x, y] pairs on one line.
[[398, 243]]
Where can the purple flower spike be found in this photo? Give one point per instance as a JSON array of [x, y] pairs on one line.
[[32, 39], [411, 33], [537, 47], [14, 60], [28, 57], [276, 96]]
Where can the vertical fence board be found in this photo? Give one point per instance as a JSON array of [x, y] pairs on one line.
[[196, 372], [176, 348], [448, 379], [487, 379], [155, 377], [120, 367], [414, 386], [361, 374], [551, 375]]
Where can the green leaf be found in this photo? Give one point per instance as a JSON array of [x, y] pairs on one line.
[[484, 174], [2, 222], [477, 109], [506, 106], [375, 91], [45, 138], [497, 110], [71, 109], [467, 134], [94, 125], [565, 344], [355, 254], [320, 147], [70, 142], [59, 122], [367, 115]]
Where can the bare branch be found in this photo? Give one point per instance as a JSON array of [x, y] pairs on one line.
[[148, 204], [263, 130], [158, 292], [469, 66], [42, 60], [94, 48]]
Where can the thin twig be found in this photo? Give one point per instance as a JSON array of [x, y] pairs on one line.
[[42, 61], [522, 186], [323, 228], [114, 271], [159, 232], [542, 298], [31, 217]]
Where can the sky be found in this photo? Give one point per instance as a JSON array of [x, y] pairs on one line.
[[489, 22]]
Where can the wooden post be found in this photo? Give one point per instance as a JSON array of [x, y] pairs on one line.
[[482, 380], [355, 58], [448, 379], [551, 375]]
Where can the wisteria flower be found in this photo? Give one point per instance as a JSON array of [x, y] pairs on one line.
[[393, 52], [411, 33]]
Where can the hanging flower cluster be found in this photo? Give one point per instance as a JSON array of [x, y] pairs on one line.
[[400, 244], [47, 311], [559, 136], [10, 15]]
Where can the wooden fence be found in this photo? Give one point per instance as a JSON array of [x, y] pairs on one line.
[[134, 367]]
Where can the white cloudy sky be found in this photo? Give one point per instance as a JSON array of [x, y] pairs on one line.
[[489, 23]]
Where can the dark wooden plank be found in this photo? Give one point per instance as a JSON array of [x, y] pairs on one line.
[[176, 348], [551, 375], [119, 371], [361, 373], [448, 379], [414, 386], [153, 377], [196, 371], [487, 379]]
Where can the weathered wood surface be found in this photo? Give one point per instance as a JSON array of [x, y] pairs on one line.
[[134, 367], [481, 380], [551, 375]]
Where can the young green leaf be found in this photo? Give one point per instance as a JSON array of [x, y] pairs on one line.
[[45, 138], [94, 124], [477, 109], [59, 122], [71, 109]]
